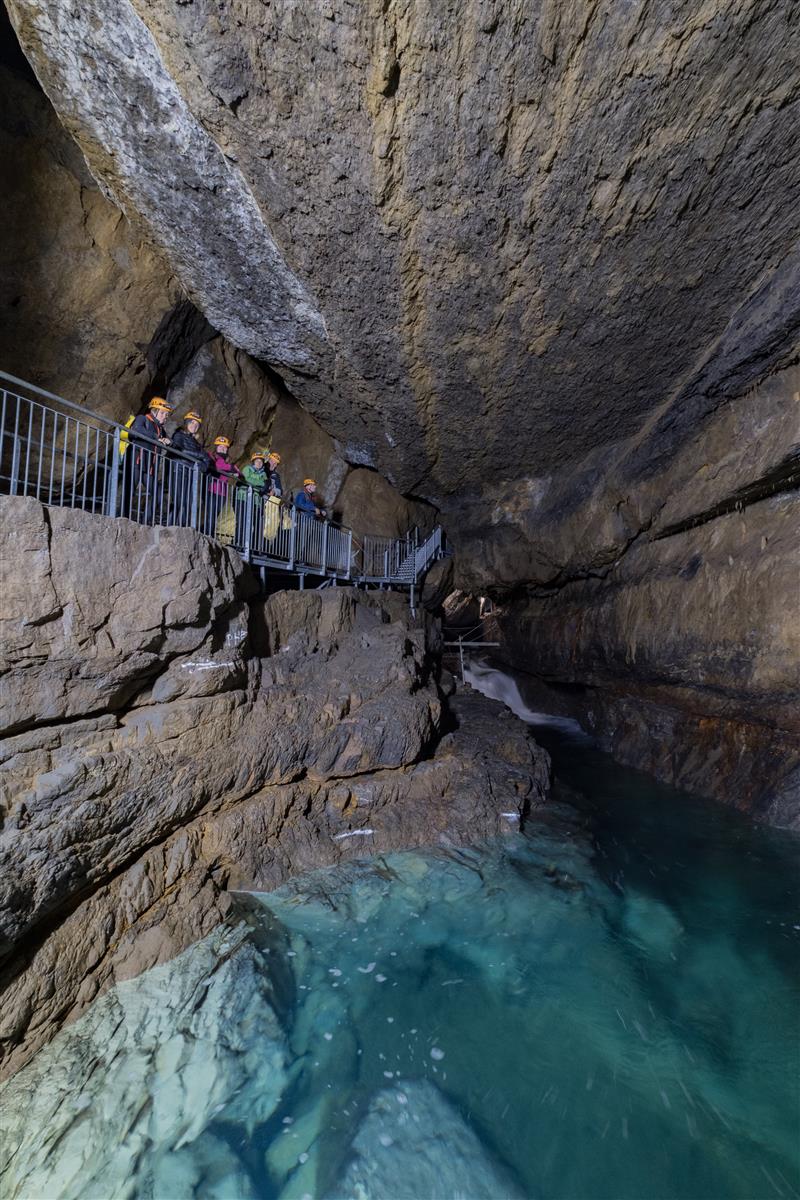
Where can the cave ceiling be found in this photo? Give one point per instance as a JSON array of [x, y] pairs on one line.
[[479, 240]]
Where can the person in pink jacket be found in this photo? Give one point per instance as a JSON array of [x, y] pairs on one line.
[[221, 512], [226, 471]]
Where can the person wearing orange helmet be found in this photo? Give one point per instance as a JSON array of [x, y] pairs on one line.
[[255, 473], [186, 439], [225, 470], [275, 485], [306, 501], [149, 426], [144, 484]]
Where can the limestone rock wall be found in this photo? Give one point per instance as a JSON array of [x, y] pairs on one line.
[[530, 221], [166, 735], [94, 312]]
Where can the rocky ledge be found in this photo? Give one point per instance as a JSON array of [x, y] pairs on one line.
[[170, 736]]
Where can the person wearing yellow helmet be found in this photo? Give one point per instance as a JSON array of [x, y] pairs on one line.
[[226, 471], [306, 501], [142, 478], [187, 440], [149, 426], [275, 485], [255, 473]]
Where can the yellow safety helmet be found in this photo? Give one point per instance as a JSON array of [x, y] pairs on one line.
[[274, 454], [193, 416], [222, 441], [262, 454], [309, 483], [160, 402]]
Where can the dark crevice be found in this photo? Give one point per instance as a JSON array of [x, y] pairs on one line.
[[783, 478]]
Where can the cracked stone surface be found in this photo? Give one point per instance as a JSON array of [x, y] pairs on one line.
[[168, 735]]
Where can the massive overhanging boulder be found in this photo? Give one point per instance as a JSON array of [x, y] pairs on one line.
[[527, 221]]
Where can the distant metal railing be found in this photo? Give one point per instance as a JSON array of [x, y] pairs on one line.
[[68, 456]]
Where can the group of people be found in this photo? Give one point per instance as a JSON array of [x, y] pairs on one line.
[[260, 474]]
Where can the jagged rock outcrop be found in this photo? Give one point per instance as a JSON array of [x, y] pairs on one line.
[[168, 734]]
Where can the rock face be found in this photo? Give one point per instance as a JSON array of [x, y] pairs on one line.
[[514, 219], [667, 586], [95, 313], [165, 739], [488, 247]]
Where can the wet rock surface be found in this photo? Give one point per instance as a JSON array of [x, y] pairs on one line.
[[398, 1152], [596, 973], [684, 657], [169, 735]]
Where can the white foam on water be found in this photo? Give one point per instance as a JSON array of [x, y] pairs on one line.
[[499, 686]]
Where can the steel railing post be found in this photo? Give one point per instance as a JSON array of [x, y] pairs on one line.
[[349, 554], [248, 524], [292, 538], [15, 457], [194, 512], [113, 480], [324, 547]]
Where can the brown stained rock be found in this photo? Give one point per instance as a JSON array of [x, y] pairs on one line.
[[166, 741]]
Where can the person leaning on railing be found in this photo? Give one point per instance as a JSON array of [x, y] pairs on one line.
[[255, 474], [186, 439], [306, 501], [148, 434], [222, 516], [149, 426], [261, 475]]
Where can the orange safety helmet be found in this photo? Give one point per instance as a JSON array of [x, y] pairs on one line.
[[309, 483], [262, 454], [274, 454], [192, 416], [222, 441], [160, 402]]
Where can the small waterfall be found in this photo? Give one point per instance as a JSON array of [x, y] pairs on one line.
[[500, 686]]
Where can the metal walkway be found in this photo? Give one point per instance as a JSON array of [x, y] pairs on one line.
[[66, 455]]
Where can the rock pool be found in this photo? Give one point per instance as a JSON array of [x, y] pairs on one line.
[[604, 1007]]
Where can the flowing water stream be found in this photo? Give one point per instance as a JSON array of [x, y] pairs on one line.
[[603, 1008]]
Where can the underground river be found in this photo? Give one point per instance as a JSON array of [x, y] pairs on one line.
[[602, 1008]]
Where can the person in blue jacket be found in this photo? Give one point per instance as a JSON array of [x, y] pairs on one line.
[[306, 501]]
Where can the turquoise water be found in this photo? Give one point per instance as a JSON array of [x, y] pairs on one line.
[[603, 1008]]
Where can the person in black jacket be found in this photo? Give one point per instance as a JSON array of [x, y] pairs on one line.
[[145, 466], [275, 485], [187, 440]]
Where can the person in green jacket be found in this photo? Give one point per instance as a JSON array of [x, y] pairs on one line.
[[256, 473]]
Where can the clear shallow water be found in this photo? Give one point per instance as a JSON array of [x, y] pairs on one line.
[[605, 1007]]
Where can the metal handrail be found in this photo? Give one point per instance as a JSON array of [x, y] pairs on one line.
[[80, 459]]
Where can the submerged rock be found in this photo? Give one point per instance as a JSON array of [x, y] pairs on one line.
[[120, 1103], [413, 1143]]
